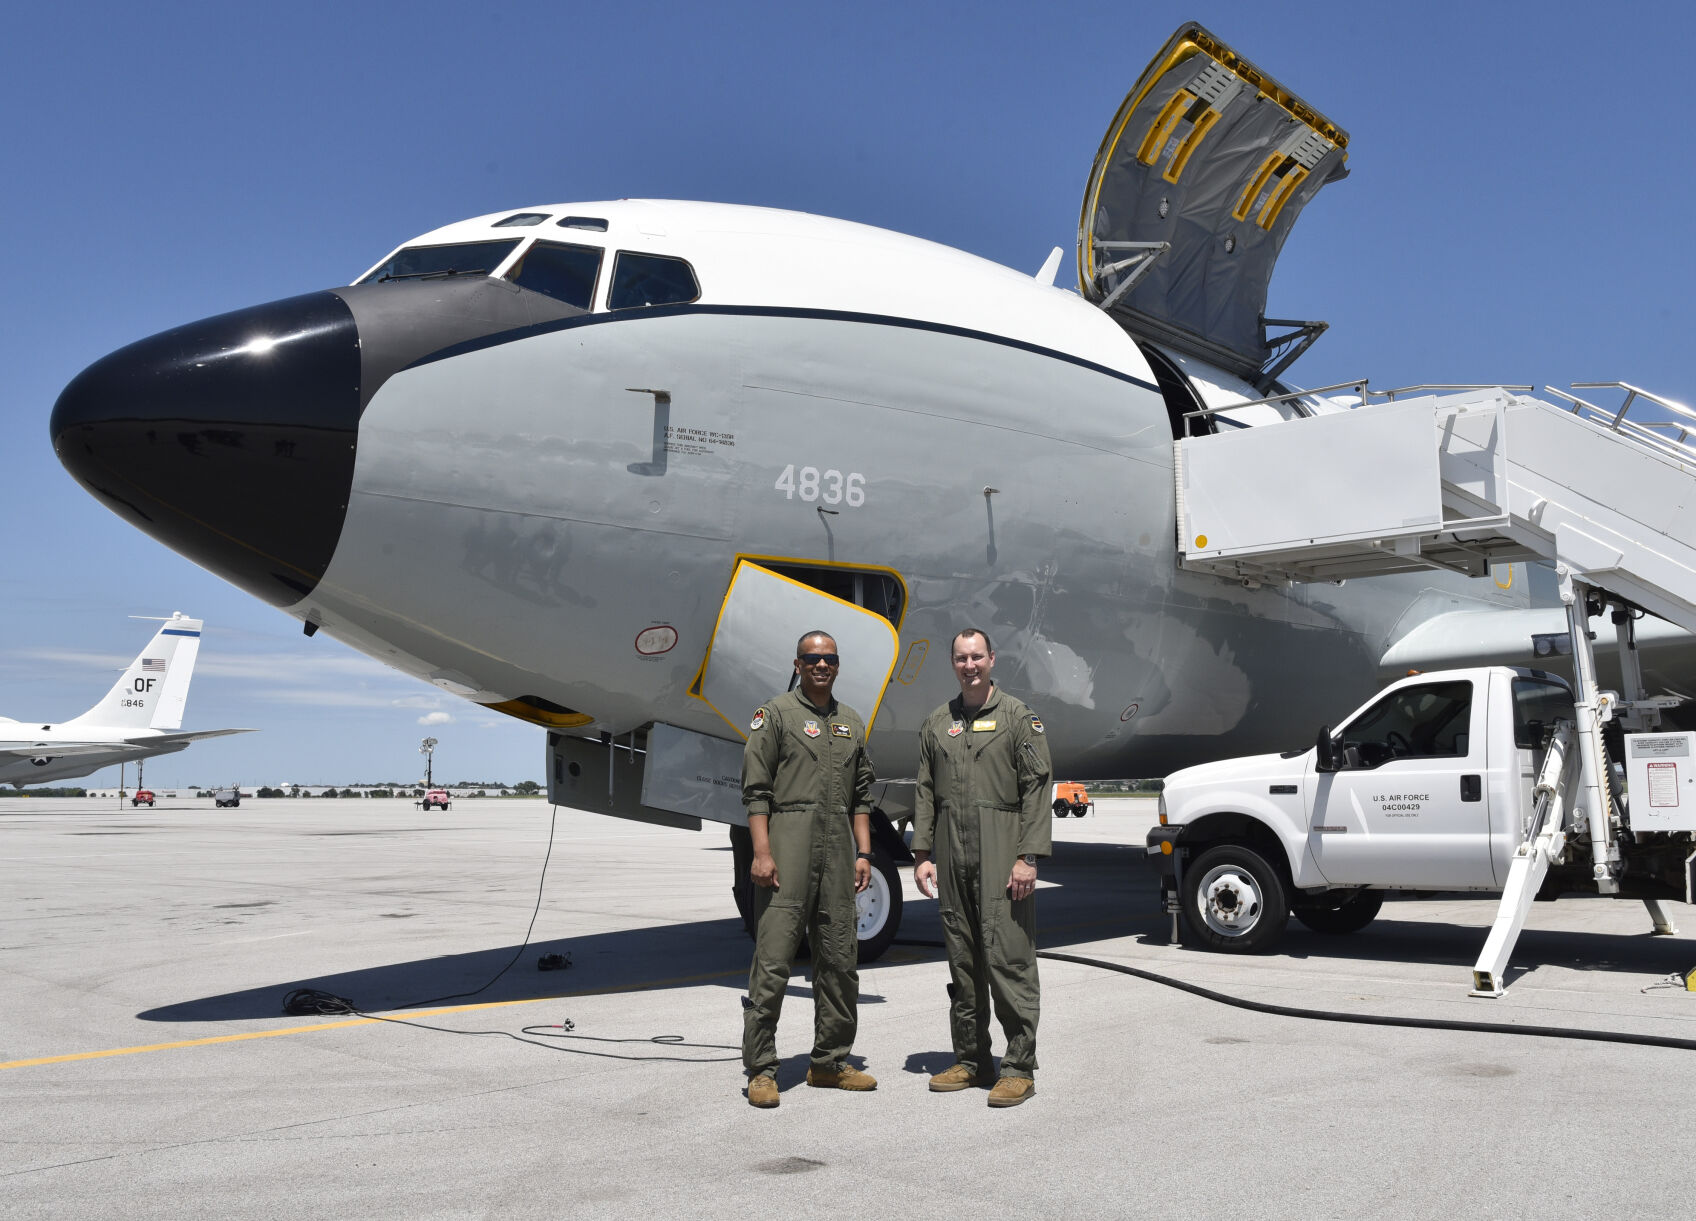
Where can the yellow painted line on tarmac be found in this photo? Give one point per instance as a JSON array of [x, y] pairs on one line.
[[409, 1015]]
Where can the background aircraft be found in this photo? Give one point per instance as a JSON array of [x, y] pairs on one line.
[[137, 719]]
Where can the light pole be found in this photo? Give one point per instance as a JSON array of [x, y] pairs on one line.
[[427, 749]]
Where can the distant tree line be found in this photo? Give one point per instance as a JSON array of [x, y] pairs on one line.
[[524, 788]]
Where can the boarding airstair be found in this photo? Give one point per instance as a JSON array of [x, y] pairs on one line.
[[1461, 478]]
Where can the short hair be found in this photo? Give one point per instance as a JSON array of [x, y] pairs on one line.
[[801, 644], [988, 644]]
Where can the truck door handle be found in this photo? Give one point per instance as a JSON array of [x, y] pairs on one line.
[[1472, 788]]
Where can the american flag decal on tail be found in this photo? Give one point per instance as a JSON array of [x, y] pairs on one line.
[[153, 664]]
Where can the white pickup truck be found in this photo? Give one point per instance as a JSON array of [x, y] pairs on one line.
[[1436, 784]]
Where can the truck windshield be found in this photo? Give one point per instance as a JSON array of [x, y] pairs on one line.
[[423, 262]]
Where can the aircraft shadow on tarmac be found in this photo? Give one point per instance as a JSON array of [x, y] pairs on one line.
[[1096, 896], [1101, 891]]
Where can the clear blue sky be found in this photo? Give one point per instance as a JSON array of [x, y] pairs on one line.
[[1519, 210]]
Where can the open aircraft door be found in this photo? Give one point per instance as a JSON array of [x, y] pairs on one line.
[[751, 655], [1197, 184]]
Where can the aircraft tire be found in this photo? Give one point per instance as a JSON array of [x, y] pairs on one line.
[[879, 908], [1234, 899], [885, 888], [1336, 915], [742, 885]]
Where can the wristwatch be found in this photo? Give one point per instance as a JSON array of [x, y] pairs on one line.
[[1029, 859], [862, 856]]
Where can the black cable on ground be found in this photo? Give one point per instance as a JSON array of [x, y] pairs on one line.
[[313, 1001], [541, 883], [316, 1002], [306, 1001], [1359, 1019]]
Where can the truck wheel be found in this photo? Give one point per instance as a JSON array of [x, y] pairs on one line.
[[1338, 912], [1061, 807], [1234, 899], [879, 908]]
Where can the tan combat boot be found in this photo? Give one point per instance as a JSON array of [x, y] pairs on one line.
[[762, 1091], [1011, 1091], [846, 1077], [957, 1077]]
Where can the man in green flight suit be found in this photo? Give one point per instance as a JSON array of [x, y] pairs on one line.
[[982, 812], [806, 780]]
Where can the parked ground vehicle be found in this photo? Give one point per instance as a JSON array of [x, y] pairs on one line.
[[227, 798], [1450, 781], [142, 797], [437, 798], [1070, 797]]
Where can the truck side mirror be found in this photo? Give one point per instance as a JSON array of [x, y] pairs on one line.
[[1326, 751]]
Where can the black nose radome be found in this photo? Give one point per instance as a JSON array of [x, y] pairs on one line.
[[230, 440]]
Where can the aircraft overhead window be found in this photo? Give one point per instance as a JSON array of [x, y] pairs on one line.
[[593, 223], [520, 220], [428, 262], [879, 592], [650, 279], [567, 273]]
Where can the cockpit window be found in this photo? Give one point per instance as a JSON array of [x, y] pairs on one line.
[[520, 220], [425, 262], [584, 222], [650, 279], [567, 273]]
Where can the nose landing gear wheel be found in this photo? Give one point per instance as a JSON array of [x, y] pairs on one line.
[[878, 908]]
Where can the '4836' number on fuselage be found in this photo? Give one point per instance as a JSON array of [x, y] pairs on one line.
[[830, 487]]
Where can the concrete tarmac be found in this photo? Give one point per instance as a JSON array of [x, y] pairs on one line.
[[147, 1068]]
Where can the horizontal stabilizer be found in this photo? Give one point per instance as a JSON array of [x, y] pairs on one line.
[[160, 739], [1535, 637], [60, 750]]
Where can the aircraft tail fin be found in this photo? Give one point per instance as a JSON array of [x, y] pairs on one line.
[[153, 691]]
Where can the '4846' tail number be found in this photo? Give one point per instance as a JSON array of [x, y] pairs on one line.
[[831, 487]]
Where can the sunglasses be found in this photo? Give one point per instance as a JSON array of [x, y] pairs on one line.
[[813, 659]]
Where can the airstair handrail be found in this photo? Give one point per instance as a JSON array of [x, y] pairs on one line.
[[1359, 387], [1391, 394], [1642, 431]]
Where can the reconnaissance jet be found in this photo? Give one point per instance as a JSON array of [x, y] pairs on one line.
[[598, 465], [138, 718]]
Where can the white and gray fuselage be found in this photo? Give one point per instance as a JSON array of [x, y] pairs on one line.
[[524, 500]]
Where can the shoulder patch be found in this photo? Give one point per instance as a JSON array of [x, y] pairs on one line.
[[759, 721], [1036, 724]]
